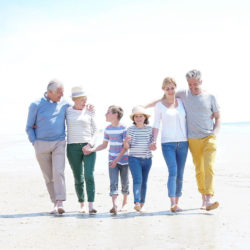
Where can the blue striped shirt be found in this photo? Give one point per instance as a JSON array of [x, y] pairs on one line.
[[141, 138], [116, 136]]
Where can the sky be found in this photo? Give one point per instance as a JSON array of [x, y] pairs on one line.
[[120, 51]]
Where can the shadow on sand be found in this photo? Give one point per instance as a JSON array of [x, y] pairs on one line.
[[122, 215]]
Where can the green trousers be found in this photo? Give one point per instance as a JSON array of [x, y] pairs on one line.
[[83, 169]]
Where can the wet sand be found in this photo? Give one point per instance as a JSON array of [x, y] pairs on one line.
[[26, 224]]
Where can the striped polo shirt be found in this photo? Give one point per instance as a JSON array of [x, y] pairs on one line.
[[140, 141], [116, 136]]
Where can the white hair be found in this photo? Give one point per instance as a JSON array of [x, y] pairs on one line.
[[54, 85], [193, 74]]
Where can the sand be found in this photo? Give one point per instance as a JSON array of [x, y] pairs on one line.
[[26, 224]]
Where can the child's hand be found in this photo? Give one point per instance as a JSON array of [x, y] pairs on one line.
[[87, 149], [152, 146], [112, 164], [126, 142]]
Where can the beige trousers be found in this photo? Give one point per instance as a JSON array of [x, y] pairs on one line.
[[51, 158]]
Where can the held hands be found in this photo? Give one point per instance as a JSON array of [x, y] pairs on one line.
[[152, 146], [87, 150]]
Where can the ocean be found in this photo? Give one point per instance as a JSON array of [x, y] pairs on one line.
[[233, 155]]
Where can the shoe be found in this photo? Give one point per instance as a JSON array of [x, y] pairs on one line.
[[60, 210], [54, 211], [178, 209], [113, 210], [92, 211], [174, 208], [212, 205], [137, 207]]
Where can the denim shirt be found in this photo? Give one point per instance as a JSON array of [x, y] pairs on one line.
[[49, 118]]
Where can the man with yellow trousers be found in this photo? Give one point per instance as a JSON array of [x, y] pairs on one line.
[[203, 123]]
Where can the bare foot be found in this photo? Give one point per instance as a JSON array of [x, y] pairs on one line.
[[124, 208]]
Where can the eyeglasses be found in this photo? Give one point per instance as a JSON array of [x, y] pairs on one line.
[[172, 88]]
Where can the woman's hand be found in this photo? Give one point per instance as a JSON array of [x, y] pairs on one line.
[[90, 108], [152, 146]]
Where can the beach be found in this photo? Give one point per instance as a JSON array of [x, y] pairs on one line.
[[26, 224]]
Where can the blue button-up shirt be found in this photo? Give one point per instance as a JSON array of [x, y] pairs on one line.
[[49, 118]]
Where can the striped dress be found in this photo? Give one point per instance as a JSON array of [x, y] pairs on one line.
[[140, 141], [116, 136]]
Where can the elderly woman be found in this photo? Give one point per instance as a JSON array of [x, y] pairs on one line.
[[81, 134]]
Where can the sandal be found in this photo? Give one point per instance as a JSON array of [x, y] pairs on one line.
[[92, 211], [212, 206], [113, 210], [174, 208], [137, 207], [82, 211]]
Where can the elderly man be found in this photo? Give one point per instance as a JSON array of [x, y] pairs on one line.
[[201, 109], [46, 131]]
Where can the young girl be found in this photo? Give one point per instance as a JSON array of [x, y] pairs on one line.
[[138, 141]]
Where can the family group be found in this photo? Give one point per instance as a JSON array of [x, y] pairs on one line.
[[188, 119]]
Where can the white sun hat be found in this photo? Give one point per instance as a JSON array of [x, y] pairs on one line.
[[139, 110], [77, 92]]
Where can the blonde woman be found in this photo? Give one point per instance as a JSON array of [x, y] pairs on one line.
[[81, 134], [171, 113]]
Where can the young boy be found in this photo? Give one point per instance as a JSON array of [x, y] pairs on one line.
[[115, 133]]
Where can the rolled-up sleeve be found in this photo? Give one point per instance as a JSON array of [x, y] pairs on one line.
[[31, 120]]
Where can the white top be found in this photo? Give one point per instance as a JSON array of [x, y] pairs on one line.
[[173, 120], [81, 126], [140, 141]]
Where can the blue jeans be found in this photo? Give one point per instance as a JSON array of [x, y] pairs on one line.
[[139, 168], [175, 155]]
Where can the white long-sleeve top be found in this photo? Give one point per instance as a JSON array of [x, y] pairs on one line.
[[174, 128], [81, 126]]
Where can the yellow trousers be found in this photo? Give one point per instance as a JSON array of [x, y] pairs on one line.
[[203, 151]]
